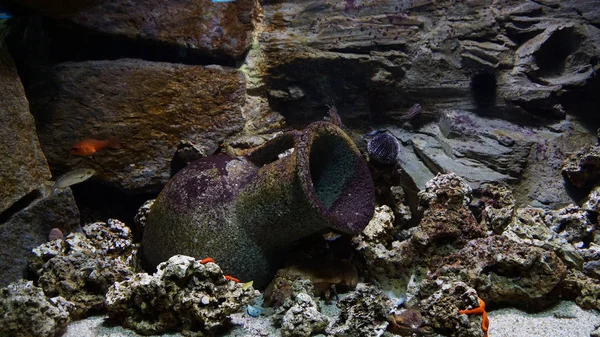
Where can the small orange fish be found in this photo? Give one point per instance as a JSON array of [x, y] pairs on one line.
[[231, 278], [88, 147]]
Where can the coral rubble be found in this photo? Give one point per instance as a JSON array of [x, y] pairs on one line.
[[183, 295], [26, 312], [83, 266]]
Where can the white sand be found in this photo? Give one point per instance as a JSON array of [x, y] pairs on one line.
[[564, 320]]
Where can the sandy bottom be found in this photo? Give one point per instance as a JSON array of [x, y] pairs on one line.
[[564, 320]]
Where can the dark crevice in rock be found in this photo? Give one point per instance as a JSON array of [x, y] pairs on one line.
[[483, 89], [36, 41], [20, 205], [98, 202], [553, 53]]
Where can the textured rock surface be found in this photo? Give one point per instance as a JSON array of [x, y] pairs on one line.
[[363, 313], [488, 65], [446, 217], [24, 166], [505, 272], [83, 266], [29, 228], [529, 227], [581, 168], [26, 312], [442, 299], [183, 295], [498, 207], [304, 318], [211, 28], [584, 290], [148, 106]]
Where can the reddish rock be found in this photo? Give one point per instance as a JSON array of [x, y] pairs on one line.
[[215, 29], [24, 166], [148, 106]]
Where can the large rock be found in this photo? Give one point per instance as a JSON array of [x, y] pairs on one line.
[[29, 227], [211, 28], [25, 311], [24, 166], [149, 106], [489, 63]]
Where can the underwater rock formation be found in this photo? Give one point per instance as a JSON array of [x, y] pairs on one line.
[[219, 204], [26, 312], [440, 304], [29, 227], [531, 226], [83, 266], [304, 318], [204, 27], [363, 312], [323, 274], [582, 167], [24, 167], [204, 102], [506, 272], [584, 290], [498, 207], [446, 216], [183, 295]]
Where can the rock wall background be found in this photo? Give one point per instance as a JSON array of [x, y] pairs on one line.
[[508, 90]]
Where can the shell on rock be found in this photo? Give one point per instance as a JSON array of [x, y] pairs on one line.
[[383, 148]]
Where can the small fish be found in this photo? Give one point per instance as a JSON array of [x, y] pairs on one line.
[[254, 311], [413, 112], [331, 236], [231, 278], [207, 260], [72, 177], [315, 6], [383, 148], [398, 300], [247, 285], [88, 147], [55, 234]]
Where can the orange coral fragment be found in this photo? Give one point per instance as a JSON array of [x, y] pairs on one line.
[[207, 260], [231, 278], [485, 322]]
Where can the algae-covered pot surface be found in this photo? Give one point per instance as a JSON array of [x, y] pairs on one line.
[[244, 211]]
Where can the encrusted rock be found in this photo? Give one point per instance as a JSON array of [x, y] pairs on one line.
[[442, 299], [377, 246], [304, 318], [83, 266], [584, 290], [529, 227], [29, 228], [446, 216], [506, 272], [447, 189], [582, 168], [141, 216], [571, 223], [172, 298], [26, 312], [592, 202], [363, 313], [498, 207]]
